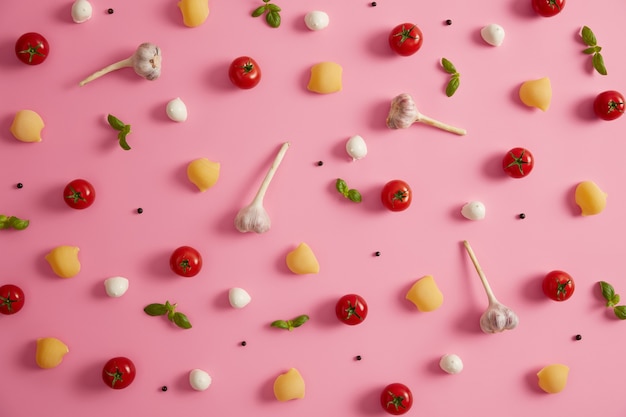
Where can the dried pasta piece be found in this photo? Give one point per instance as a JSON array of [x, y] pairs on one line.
[[425, 294], [289, 386], [325, 78], [302, 260], [536, 93]]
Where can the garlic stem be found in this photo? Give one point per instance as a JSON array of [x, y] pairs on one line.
[[440, 125], [125, 63], [258, 198], [481, 274]]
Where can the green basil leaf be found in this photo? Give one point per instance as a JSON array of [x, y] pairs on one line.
[[341, 186], [300, 320], [591, 50], [115, 123], [155, 309], [273, 8], [354, 195], [18, 224], [607, 290], [598, 63], [280, 324], [615, 300], [452, 86], [259, 11], [181, 321], [273, 18], [588, 37], [620, 312], [122, 138], [448, 66], [4, 222]]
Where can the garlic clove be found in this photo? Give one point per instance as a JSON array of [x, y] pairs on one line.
[[356, 147], [176, 110], [116, 286], [81, 11], [316, 20], [238, 297], [451, 363], [474, 210], [493, 34]]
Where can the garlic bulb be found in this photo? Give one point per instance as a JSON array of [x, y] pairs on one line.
[[403, 113], [497, 317], [81, 11], [146, 61], [254, 217]]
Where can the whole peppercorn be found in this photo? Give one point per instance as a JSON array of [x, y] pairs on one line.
[[578, 337], [163, 388], [320, 163], [139, 210], [377, 253], [19, 185], [373, 4], [358, 357], [110, 11], [448, 22], [522, 216], [243, 343]]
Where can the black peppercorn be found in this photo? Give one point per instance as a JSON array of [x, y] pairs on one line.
[[373, 4], [358, 357], [163, 388], [20, 185], [448, 22], [522, 216], [377, 253], [139, 210], [110, 11], [578, 337], [243, 343], [320, 163]]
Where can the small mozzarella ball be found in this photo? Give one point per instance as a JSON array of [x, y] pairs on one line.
[[176, 110], [356, 147], [451, 363], [116, 286], [493, 34], [81, 11], [238, 297], [316, 20], [199, 380], [474, 210]]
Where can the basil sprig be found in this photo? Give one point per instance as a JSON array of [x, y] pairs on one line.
[[122, 128], [593, 49], [271, 11], [455, 77], [176, 317], [612, 299], [290, 324], [349, 193], [12, 222]]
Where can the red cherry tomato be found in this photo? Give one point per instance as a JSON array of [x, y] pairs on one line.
[[406, 39], [351, 309], [396, 195], [186, 261], [548, 8], [244, 72], [79, 194], [558, 285], [11, 299], [396, 399], [32, 48], [118, 372], [518, 162], [609, 105]]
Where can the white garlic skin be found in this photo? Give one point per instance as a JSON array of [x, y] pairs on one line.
[[81, 11], [316, 20], [199, 380], [498, 318], [356, 147], [176, 110], [116, 286], [474, 210], [493, 34], [238, 297], [451, 363]]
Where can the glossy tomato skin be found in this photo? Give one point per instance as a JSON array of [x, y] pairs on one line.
[[396, 195], [79, 194], [396, 399], [518, 162], [609, 105], [558, 285], [11, 299], [406, 39], [548, 8], [32, 48], [244, 72], [351, 309], [186, 261], [119, 372]]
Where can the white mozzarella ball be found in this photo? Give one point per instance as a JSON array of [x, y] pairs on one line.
[[451, 363], [199, 380], [316, 20], [238, 297], [116, 286], [176, 110], [474, 210]]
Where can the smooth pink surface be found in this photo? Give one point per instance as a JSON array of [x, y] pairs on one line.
[[243, 130]]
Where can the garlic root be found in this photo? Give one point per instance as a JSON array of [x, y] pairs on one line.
[[497, 317], [254, 217], [146, 61], [403, 113]]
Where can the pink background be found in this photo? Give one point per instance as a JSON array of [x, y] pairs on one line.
[[243, 130]]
